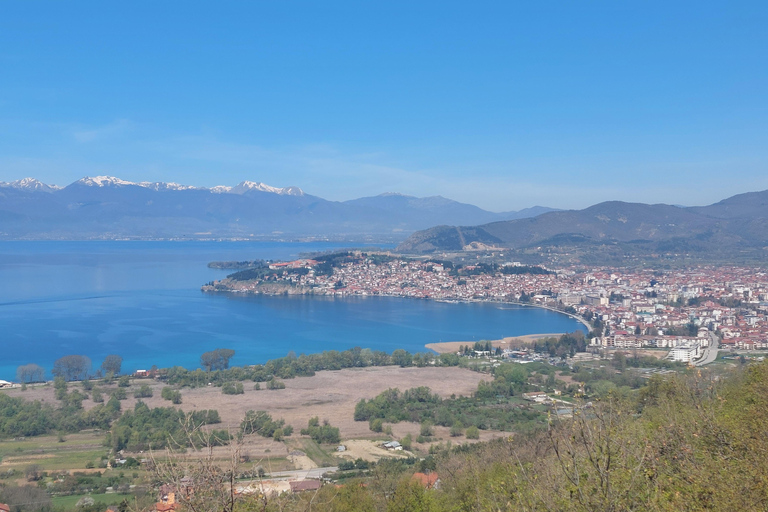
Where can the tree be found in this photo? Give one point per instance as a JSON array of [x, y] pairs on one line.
[[201, 480], [26, 498], [401, 357], [30, 373], [72, 367], [112, 363], [216, 359]]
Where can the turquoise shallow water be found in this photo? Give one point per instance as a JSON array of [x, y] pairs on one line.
[[142, 300]]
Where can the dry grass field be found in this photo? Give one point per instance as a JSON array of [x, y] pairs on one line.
[[330, 395]]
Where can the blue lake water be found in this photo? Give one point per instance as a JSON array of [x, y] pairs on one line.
[[142, 300]]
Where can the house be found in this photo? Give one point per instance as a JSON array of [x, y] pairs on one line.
[[392, 445], [429, 480], [535, 396], [305, 485]]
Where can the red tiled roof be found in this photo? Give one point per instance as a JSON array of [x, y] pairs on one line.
[[305, 485], [427, 480]]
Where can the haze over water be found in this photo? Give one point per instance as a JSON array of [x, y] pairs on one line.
[[142, 300]]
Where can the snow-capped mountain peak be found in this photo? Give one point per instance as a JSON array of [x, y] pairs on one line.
[[30, 184], [103, 181], [247, 186], [160, 185]]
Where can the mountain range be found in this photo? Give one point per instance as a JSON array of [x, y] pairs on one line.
[[104, 207], [733, 226]]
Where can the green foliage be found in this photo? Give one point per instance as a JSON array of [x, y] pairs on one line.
[[168, 393], [274, 383], [112, 364], [144, 391], [376, 425], [19, 417], [124, 381], [566, 345], [472, 433], [144, 428], [216, 359], [304, 365], [260, 422], [488, 409], [72, 367], [321, 433], [60, 387], [233, 388], [120, 394]]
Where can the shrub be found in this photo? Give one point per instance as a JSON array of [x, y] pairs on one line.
[[376, 425], [472, 433], [232, 388], [143, 392]]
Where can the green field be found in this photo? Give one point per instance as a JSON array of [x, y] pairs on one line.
[[69, 502], [47, 451], [313, 450]]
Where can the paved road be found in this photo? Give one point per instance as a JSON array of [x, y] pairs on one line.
[[710, 353], [303, 473]]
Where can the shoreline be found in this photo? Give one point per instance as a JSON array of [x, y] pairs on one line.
[[450, 347], [585, 323]]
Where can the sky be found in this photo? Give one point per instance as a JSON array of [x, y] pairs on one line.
[[505, 105]]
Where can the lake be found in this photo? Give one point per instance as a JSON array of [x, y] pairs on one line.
[[142, 300]]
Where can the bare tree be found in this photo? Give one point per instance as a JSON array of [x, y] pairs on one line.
[[601, 459], [216, 359], [200, 481], [112, 363], [30, 373], [72, 367]]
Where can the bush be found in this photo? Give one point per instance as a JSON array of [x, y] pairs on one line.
[[143, 392], [457, 430], [233, 388], [168, 393], [426, 429], [376, 425], [321, 434], [120, 394], [472, 433], [273, 383], [260, 422], [124, 381]]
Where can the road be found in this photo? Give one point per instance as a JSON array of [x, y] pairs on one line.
[[710, 353], [301, 474]]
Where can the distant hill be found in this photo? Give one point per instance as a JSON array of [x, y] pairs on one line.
[[736, 224], [105, 207]]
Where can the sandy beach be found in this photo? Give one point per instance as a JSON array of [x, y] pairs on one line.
[[513, 341]]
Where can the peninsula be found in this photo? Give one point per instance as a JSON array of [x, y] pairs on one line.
[[698, 308]]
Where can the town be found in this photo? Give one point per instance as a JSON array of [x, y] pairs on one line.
[[685, 311]]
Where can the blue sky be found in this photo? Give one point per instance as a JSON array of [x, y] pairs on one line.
[[501, 104]]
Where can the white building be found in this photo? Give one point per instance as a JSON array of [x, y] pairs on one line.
[[686, 352]]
